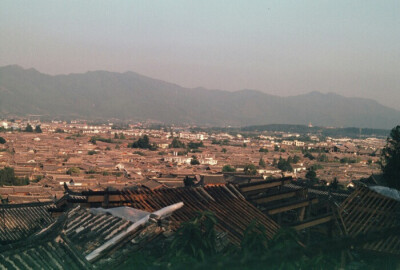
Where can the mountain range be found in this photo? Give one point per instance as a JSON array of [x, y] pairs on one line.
[[103, 94]]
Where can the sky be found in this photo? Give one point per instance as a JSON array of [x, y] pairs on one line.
[[279, 47]]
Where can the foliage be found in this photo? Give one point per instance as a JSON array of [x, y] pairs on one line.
[[176, 143], [195, 145], [285, 165], [315, 167], [348, 160], [59, 130], [73, 170], [194, 161], [196, 238], [309, 156], [250, 169], [390, 160], [263, 150], [94, 139], [38, 129], [224, 150], [334, 184], [143, 143], [28, 128], [261, 163], [7, 177], [312, 175], [220, 142], [228, 168], [2, 140], [276, 148], [322, 158], [92, 152]]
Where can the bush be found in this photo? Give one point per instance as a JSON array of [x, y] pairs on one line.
[[228, 168]]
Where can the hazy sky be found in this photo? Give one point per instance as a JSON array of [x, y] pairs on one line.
[[279, 47]]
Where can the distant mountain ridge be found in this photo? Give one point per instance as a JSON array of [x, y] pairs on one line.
[[103, 94]]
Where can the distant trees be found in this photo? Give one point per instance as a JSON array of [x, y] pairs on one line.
[[312, 175], [309, 156], [73, 170], [2, 140], [250, 169], [7, 177], [38, 129], [195, 145], [194, 161], [143, 143], [263, 150], [94, 139], [348, 160], [262, 163], [228, 168], [285, 165], [323, 158], [28, 128], [390, 159], [176, 143]]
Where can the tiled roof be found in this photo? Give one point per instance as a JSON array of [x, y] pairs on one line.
[[233, 212], [18, 221]]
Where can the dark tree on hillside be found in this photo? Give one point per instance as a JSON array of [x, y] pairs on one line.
[[390, 160], [2, 140], [311, 174], [29, 128], [176, 143], [284, 165], [194, 161], [38, 129], [143, 143], [250, 169], [228, 168], [7, 177], [261, 163]]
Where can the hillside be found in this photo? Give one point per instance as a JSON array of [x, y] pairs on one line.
[[102, 94]]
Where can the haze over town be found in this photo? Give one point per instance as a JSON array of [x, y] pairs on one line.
[[278, 47]]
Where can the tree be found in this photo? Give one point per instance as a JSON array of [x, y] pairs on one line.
[[38, 129], [334, 184], [176, 143], [7, 177], [250, 169], [284, 165], [28, 128], [2, 140], [311, 174], [390, 159], [143, 143], [228, 168], [73, 170], [263, 150], [223, 150], [194, 161], [261, 163]]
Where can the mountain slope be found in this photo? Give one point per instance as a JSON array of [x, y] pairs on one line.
[[102, 94]]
